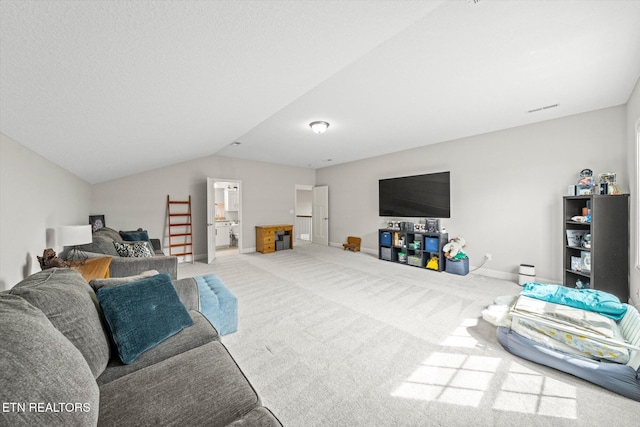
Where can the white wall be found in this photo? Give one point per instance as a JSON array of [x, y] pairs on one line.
[[35, 194], [506, 187], [633, 116], [268, 196]]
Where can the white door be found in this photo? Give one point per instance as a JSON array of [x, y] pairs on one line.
[[211, 220], [320, 215]]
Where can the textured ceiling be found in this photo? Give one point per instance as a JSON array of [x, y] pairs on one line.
[[110, 88]]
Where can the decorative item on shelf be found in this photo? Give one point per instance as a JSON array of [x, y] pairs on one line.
[[586, 183], [582, 285], [432, 225], [607, 182], [97, 222], [576, 263], [579, 218], [574, 237], [406, 226], [49, 259], [74, 235], [585, 261], [585, 242]]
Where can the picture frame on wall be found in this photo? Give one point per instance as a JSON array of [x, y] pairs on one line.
[[97, 222]]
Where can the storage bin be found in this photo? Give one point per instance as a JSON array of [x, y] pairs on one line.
[[385, 254], [385, 238], [457, 266], [402, 257], [431, 244], [414, 260]]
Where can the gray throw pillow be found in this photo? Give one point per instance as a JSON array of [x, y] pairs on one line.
[[115, 281], [45, 379], [70, 304]]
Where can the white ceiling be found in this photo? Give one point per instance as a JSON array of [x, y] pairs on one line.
[[106, 89]]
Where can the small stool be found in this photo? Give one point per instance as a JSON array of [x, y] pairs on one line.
[[218, 304], [353, 243]]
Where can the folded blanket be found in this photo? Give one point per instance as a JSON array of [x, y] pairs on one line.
[[587, 299]]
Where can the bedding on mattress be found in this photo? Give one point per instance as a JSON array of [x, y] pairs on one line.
[[570, 329]]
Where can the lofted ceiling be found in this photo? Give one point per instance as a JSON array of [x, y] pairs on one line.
[[107, 89]]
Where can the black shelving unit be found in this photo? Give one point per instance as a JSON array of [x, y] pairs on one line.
[[608, 252], [418, 247]]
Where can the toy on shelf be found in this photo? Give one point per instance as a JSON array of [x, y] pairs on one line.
[[607, 183], [453, 249], [586, 183]]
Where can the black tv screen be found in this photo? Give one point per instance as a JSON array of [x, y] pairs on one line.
[[416, 196]]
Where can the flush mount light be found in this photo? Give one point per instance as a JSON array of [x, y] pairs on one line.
[[319, 127]]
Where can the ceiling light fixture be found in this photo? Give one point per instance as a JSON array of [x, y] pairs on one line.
[[319, 126]]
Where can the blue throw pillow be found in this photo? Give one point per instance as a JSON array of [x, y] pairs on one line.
[[139, 235], [142, 314]]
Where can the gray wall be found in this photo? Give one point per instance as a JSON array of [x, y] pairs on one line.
[[35, 194], [506, 187], [268, 196]]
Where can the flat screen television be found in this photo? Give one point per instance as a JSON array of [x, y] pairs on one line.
[[417, 196]]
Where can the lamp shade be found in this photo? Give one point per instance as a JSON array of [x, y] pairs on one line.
[[72, 235]]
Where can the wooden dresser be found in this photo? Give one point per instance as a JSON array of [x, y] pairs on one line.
[[266, 237]]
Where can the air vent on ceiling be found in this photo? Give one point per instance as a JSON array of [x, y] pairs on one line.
[[535, 110]]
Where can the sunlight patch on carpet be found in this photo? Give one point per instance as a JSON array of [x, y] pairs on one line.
[[529, 392], [461, 379], [460, 337], [452, 378]]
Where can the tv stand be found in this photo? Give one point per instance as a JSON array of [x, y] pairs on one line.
[[414, 248]]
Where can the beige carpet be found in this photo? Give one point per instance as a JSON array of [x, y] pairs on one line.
[[334, 338]]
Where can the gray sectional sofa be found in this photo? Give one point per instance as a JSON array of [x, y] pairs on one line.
[[62, 350], [122, 266]]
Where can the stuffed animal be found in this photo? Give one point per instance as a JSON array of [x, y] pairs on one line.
[[49, 259], [453, 249]]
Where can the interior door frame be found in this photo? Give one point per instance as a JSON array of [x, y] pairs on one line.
[[320, 215], [211, 194], [211, 220]]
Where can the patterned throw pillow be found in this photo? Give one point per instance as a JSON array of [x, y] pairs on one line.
[[133, 249]]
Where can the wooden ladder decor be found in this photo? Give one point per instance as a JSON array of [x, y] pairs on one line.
[[180, 239]]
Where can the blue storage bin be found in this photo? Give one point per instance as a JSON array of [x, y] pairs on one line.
[[385, 238], [431, 244]]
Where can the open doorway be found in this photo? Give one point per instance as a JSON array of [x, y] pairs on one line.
[[224, 207], [312, 214], [304, 211]]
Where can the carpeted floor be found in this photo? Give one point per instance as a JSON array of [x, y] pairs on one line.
[[334, 338]]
